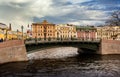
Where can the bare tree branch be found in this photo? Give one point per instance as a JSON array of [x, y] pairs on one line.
[[114, 19]]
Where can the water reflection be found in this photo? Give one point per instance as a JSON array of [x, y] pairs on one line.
[[78, 66]]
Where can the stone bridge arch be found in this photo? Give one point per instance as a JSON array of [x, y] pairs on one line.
[[83, 47]]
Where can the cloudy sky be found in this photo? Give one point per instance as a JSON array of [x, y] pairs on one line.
[[78, 12]]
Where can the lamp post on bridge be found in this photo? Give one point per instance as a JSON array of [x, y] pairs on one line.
[[17, 33], [6, 34], [22, 30]]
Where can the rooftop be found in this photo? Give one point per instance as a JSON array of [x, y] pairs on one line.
[[3, 26], [86, 28], [43, 22]]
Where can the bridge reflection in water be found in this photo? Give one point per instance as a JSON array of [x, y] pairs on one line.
[[89, 46]]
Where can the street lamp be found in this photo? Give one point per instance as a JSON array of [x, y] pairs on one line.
[[22, 30], [58, 35], [17, 33], [6, 34]]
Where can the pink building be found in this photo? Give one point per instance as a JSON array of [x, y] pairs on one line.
[[86, 33]]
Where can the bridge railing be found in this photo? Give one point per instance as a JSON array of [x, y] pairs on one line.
[[37, 40]]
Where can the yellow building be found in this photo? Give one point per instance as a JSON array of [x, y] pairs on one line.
[[65, 32], [7, 33], [2, 35], [3, 31], [11, 35], [108, 32], [43, 30]]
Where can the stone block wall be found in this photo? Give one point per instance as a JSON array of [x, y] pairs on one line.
[[109, 47], [13, 50]]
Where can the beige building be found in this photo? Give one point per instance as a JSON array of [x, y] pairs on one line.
[[108, 32], [65, 32], [43, 30]]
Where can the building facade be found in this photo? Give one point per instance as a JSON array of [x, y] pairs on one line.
[[108, 32], [43, 30], [86, 33], [29, 32], [3, 31], [65, 32]]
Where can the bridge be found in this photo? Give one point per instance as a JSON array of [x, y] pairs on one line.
[[15, 50], [89, 46]]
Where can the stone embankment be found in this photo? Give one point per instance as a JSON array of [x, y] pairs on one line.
[[109, 47], [55, 53], [12, 51]]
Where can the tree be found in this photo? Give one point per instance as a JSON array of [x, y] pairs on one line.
[[114, 19]]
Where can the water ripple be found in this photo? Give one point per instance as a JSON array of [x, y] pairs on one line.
[[78, 66]]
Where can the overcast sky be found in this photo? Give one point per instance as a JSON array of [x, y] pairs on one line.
[[78, 12]]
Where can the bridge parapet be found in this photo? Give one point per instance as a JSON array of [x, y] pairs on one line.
[[36, 41]]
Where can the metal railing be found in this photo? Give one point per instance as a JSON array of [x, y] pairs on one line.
[[41, 40]]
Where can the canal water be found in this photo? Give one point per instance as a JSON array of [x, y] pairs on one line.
[[77, 66]]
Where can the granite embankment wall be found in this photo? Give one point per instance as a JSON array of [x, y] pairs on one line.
[[109, 47], [11, 51]]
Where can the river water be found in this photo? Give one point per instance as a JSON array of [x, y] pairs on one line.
[[77, 66]]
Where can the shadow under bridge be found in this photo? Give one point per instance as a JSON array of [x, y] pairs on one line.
[[83, 47]]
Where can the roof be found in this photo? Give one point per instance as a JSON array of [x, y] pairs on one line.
[[65, 25], [1, 32], [43, 22], [86, 28], [3, 26]]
